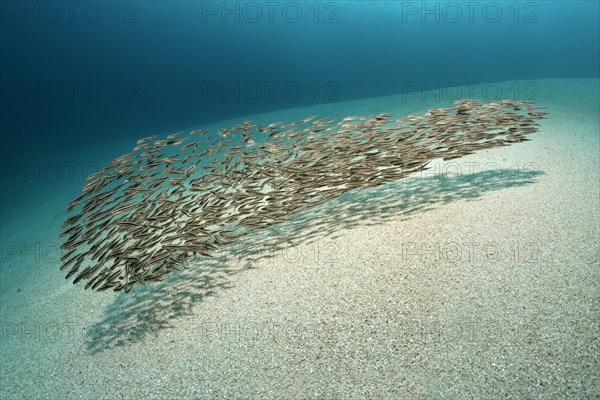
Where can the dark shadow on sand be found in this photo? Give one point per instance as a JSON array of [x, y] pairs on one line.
[[140, 314]]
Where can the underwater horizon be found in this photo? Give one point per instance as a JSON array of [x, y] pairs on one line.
[[303, 200], [112, 72]]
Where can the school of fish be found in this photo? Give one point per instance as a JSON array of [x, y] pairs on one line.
[[175, 198]]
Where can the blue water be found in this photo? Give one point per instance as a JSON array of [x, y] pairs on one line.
[[159, 58], [75, 77], [90, 75]]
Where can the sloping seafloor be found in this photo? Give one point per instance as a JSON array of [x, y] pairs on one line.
[[478, 278]]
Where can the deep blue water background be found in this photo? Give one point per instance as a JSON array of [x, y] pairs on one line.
[[73, 81]]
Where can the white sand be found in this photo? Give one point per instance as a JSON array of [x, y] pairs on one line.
[[482, 285]]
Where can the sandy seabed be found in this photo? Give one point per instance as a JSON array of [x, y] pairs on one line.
[[476, 279]]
